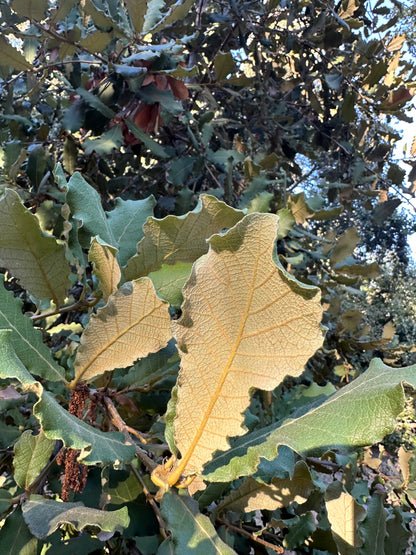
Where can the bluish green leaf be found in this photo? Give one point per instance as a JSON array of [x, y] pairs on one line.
[[361, 413], [44, 516]]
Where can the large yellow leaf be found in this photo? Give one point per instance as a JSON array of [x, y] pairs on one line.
[[134, 323], [245, 323]]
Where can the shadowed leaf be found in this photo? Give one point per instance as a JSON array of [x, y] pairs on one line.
[[180, 238], [32, 257], [44, 516], [361, 413], [192, 532]]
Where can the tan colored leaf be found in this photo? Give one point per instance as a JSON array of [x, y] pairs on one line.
[[348, 7], [133, 324], [396, 43], [180, 238], [253, 495], [245, 323], [413, 147], [106, 267], [299, 208], [344, 514], [35, 259]]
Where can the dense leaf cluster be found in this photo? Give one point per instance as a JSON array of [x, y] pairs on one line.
[[204, 274]]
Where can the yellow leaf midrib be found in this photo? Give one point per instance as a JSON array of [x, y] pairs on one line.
[[110, 343], [175, 475]]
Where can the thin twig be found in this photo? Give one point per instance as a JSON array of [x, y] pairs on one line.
[[252, 537], [81, 303], [150, 499]]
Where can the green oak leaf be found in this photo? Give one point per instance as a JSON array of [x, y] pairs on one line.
[[44, 516], [31, 454], [34, 258], [180, 238], [361, 413], [27, 340], [126, 221], [192, 532], [57, 423]]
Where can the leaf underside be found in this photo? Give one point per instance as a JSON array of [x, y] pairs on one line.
[[245, 322]]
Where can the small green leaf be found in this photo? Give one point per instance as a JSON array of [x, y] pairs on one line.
[[177, 12], [373, 529], [286, 222], [31, 454], [348, 112], [110, 140], [377, 72], [224, 64], [192, 532], [137, 10], [30, 9], [85, 205], [96, 41], [126, 221], [93, 101], [169, 281], [180, 170], [384, 210], [345, 245], [36, 260], [152, 145], [44, 516]]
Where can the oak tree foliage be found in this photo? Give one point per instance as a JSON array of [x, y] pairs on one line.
[[206, 303]]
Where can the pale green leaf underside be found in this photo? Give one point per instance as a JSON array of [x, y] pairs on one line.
[[36, 260], [44, 516], [126, 222], [180, 238], [31, 454], [26, 340], [361, 413], [192, 532], [121, 227]]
